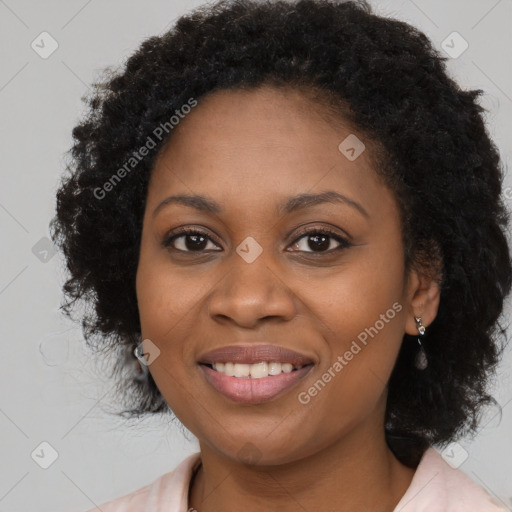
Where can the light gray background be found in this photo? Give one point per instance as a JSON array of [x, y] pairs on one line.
[[50, 391]]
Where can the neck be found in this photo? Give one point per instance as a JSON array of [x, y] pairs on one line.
[[357, 473]]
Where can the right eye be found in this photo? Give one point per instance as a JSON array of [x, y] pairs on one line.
[[187, 240]]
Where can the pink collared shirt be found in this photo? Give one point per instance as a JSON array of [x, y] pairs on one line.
[[435, 487]]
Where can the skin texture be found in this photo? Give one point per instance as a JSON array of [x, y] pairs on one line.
[[249, 151]]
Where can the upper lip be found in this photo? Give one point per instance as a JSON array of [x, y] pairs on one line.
[[249, 354]]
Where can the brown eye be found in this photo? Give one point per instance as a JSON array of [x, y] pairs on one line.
[[189, 240], [320, 240]]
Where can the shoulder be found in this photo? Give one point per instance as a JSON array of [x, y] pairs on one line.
[[437, 487], [168, 493]]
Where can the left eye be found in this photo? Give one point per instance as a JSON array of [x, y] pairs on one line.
[[320, 241]]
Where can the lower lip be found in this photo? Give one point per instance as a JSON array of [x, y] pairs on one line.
[[252, 391]]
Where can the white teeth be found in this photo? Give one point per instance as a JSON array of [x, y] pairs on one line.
[[274, 368], [229, 369], [242, 370], [259, 370], [287, 367], [254, 371]]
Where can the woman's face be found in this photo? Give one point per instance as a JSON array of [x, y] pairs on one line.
[[261, 177]]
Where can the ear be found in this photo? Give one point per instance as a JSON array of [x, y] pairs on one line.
[[423, 293]]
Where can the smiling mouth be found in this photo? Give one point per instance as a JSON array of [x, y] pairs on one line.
[[257, 388], [258, 370], [254, 373]]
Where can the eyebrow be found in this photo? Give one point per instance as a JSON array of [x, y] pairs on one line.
[[292, 204]]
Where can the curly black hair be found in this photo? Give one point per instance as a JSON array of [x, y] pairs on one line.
[[431, 146]]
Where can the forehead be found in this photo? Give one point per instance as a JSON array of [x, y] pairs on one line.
[[258, 144]]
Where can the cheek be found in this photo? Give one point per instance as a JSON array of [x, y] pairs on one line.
[[165, 297], [169, 302], [163, 313], [361, 311], [353, 297]]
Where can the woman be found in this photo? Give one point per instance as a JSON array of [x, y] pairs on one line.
[[288, 218]]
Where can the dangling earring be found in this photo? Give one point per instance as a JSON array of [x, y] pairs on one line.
[[142, 364], [420, 361], [139, 354]]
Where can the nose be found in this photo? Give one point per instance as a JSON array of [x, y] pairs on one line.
[[251, 293]]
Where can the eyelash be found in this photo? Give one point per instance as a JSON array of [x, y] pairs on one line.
[[344, 243]]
